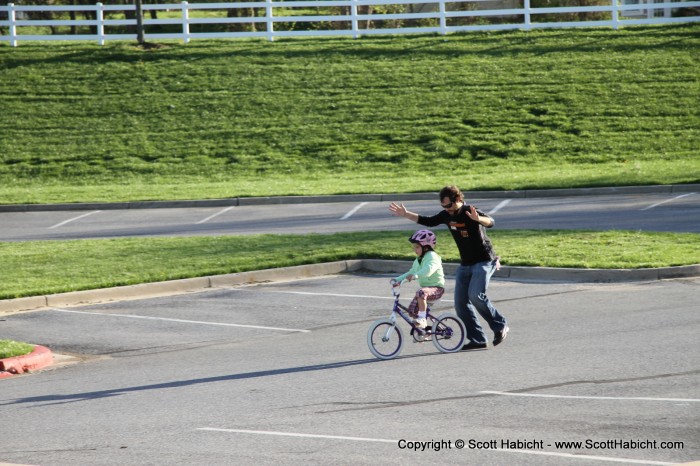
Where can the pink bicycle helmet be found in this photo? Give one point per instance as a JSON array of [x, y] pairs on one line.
[[424, 238]]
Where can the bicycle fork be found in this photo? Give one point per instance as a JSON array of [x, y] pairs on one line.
[[389, 330]]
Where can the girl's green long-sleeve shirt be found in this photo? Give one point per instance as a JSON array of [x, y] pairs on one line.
[[429, 270]]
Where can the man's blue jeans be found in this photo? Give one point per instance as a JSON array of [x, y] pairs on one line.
[[471, 283]]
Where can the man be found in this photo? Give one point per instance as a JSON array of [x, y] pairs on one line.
[[478, 262]]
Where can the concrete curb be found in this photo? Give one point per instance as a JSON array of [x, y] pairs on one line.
[[552, 274], [39, 358], [171, 287], [189, 285], [273, 200]]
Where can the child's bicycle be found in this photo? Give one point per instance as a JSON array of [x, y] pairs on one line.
[[385, 338]]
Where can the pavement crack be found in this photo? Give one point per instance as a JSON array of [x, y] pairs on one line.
[[364, 406], [604, 381], [544, 295]]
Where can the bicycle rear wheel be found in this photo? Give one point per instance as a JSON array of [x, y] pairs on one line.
[[449, 333], [384, 339]]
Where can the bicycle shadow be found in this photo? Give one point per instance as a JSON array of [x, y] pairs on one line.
[[44, 400]]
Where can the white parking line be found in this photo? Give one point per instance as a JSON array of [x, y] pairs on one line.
[[501, 205], [215, 215], [383, 440], [308, 293], [73, 219], [352, 212], [667, 200], [633, 398], [292, 434], [220, 324]]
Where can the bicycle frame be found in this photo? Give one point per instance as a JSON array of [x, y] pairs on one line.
[[402, 310]]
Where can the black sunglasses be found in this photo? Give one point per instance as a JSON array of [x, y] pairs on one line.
[[448, 206]]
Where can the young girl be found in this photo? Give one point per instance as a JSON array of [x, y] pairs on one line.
[[427, 268]]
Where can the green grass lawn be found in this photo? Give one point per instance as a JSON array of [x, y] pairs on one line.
[[10, 348], [211, 119], [44, 267]]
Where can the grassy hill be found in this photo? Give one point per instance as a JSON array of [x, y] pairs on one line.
[[511, 110]]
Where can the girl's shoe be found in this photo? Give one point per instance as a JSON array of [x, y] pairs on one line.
[[420, 322]]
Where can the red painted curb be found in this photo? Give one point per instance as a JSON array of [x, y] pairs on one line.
[[40, 357]]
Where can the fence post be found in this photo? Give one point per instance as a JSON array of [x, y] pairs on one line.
[[100, 23], [185, 22], [615, 14], [353, 20], [528, 17], [140, 29], [13, 28], [443, 18], [270, 22]]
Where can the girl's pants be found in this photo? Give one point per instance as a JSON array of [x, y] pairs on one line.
[[430, 293]]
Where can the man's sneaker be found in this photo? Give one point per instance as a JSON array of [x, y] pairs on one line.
[[473, 346], [420, 322], [500, 336]]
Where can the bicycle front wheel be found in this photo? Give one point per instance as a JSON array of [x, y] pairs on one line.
[[449, 333], [384, 339]]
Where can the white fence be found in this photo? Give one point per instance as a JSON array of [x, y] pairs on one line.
[[270, 19]]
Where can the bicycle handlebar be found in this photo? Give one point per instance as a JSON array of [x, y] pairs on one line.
[[396, 288]]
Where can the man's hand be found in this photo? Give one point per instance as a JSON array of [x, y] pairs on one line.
[[398, 210], [474, 215]]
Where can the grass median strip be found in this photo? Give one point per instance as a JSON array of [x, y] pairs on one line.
[[45, 267]]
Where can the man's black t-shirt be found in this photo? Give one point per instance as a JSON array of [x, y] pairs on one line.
[[470, 236]]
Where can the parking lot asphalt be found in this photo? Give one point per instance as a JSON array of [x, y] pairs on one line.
[[280, 373]]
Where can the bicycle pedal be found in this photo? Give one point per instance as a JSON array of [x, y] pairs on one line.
[[419, 335]]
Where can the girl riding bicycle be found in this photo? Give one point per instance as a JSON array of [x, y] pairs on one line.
[[427, 269]]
